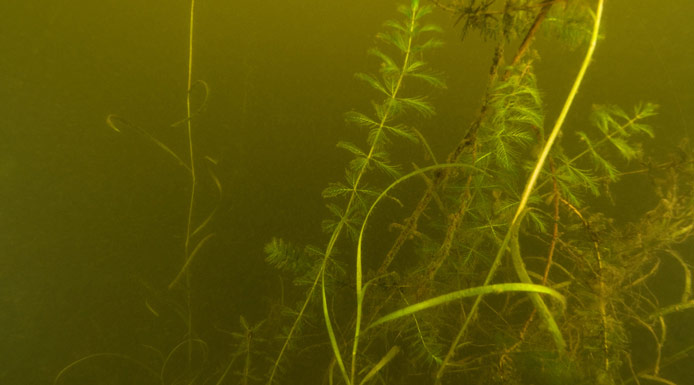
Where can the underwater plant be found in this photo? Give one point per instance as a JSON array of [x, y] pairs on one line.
[[498, 268], [189, 352], [504, 221]]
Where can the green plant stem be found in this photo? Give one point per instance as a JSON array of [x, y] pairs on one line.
[[678, 307], [191, 153], [535, 298], [532, 180], [331, 244], [530, 185], [193, 183]]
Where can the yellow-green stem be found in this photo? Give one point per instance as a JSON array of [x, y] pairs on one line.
[[191, 203]]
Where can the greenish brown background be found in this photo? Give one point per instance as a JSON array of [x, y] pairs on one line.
[[92, 222]]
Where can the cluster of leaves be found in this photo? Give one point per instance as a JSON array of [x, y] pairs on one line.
[[507, 136], [594, 263], [491, 18], [618, 129], [248, 347], [514, 122], [615, 270], [302, 264], [405, 40], [569, 23], [512, 127]]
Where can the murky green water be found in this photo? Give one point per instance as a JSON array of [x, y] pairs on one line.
[[95, 222]]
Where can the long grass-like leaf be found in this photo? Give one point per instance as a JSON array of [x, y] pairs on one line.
[[535, 298], [218, 186], [380, 364], [189, 260], [90, 357], [331, 333], [202, 106], [498, 288], [111, 121]]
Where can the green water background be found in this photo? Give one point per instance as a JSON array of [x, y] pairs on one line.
[[92, 222]]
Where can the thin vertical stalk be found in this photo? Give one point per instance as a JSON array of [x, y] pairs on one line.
[[191, 159], [193, 181], [190, 127]]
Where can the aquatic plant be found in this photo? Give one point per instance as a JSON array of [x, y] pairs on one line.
[[506, 193], [501, 270], [192, 349]]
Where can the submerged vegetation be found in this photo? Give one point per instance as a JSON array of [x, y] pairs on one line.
[[499, 266]]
